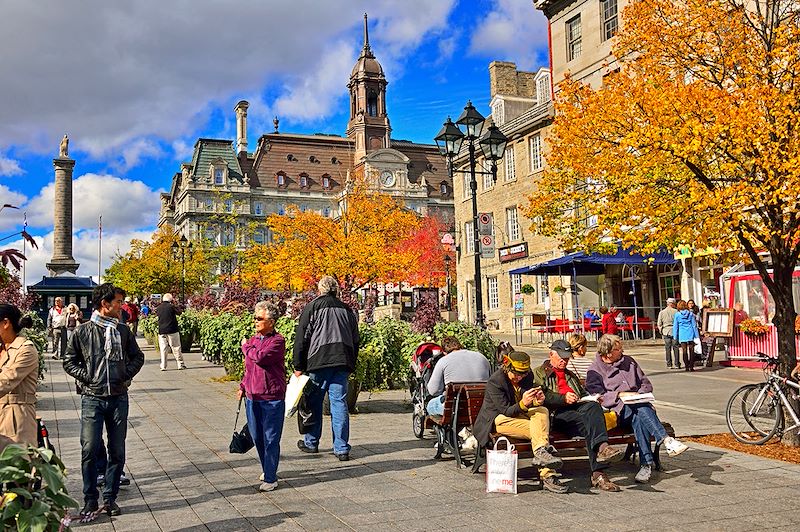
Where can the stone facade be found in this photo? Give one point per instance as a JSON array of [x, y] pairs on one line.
[[225, 188]]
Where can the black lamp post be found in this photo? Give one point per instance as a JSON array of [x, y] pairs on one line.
[[447, 274], [493, 146], [180, 250]]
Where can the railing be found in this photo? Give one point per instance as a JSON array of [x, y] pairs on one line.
[[639, 322]]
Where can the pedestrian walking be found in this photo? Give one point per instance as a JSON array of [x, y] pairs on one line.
[[103, 357], [169, 339], [19, 373], [684, 327], [264, 386], [326, 347], [74, 317], [132, 310], [664, 323], [57, 327]]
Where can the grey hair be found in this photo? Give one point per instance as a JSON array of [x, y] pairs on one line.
[[328, 286], [166, 297], [270, 311], [607, 342]]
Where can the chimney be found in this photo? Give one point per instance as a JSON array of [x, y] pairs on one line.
[[241, 127], [503, 79]]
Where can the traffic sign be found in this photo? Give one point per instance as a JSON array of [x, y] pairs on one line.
[[485, 223], [487, 246]]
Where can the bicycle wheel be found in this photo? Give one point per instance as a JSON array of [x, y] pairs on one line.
[[753, 414]]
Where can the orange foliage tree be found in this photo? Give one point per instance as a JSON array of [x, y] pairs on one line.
[[363, 245], [427, 255], [693, 141]]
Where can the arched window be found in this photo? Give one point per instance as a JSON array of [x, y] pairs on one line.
[[372, 104]]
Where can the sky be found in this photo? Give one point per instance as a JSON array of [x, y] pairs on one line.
[[135, 84]]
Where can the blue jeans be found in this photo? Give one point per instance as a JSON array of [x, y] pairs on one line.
[[332, 381], [645, 425], [96, 412], [436, 406], [265, 422]]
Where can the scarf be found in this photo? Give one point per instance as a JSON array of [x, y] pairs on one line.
[[113, 345]]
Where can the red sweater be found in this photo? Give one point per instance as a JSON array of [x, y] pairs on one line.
[[609, 323]]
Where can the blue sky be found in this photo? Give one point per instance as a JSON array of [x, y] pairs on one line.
[[134, 84]]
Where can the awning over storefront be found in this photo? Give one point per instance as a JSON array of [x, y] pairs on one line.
[[581, 263]]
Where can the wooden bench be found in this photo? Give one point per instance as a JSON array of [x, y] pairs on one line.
[[462, 403]]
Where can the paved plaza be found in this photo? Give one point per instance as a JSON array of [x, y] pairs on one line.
[[183, 477]]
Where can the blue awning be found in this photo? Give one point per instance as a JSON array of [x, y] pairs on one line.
[[592, 263]]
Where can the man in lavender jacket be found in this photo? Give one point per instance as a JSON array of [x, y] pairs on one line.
[[264, 385]]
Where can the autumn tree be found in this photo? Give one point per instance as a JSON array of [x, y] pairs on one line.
[[426, 255], [694, 140], [150, 268]]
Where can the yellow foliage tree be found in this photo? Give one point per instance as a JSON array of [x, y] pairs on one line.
[[362, 245], [693, 141], [150, 268]]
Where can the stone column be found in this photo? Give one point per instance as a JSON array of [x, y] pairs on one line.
[[62, 260]]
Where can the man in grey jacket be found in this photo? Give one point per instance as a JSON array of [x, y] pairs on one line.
[[664, 324]]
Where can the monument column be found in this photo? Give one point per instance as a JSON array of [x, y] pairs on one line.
[[62, 260]]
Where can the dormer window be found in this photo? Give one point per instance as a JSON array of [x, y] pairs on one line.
[[219, 176], [334, 160], [281, 180], [443, 189], [303, 181], [326, 182]]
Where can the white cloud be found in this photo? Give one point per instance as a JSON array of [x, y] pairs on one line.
[[513, 31], [123, 203], [9, 166], [182, 150], [10, 218], [110, 73], [85, 251]]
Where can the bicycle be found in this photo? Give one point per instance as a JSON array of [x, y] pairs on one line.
[[754, 413]]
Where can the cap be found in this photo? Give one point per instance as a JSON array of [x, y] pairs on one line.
[[520, 361], [670, 300], [128, 299], [562, 347]]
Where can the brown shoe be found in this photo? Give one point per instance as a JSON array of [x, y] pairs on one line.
[[609, 455], [601, 480]]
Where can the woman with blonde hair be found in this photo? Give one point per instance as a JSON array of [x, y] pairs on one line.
[[579, 363]]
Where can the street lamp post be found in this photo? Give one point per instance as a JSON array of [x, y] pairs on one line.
[[447, 274], [180, 250], [493, 146]]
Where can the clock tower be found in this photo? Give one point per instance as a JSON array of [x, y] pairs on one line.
[[369, 124]]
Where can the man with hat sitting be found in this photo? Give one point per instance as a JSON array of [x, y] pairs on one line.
[[512, 406], [562, 393]]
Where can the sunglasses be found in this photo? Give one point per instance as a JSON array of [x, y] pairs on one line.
[[259, 318]]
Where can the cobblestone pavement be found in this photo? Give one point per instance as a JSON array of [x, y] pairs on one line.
[[183, 477]]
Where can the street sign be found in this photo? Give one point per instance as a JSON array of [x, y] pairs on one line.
[[487, 246], [485, 223]]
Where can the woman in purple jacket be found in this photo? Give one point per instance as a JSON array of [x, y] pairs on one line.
[[264, 385], [614, 375]]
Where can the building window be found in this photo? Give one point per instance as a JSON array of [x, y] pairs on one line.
[[573, 27], [219, 176], [281, 209], [608, 14], [228, 205], [281, 180], [258, 237], [469, 236], [303, 207], [512, 224], [536, 152], [498, 113], [542, 293], [209, 205], [259, 208], [326, 182], [488, 181], [303, 181], [467, 188], [516, 285], [543, 89], [372, 104], [326, 212], [511, 169], [443, 189], [494, 296]]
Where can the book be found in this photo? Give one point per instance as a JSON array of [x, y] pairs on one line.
[[638, 398], [589, 398]]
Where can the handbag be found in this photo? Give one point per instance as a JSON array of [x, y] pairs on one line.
[[241, 441], [501, 468], [698, 346], [305, 417]]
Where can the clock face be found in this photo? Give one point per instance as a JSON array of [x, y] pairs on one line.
[[387, 179]]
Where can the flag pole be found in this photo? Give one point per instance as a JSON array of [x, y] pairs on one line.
[[100, 250]]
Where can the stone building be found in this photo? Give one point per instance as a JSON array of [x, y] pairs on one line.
[[226, 187]]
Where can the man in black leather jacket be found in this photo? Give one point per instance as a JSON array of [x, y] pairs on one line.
[[103, 357]]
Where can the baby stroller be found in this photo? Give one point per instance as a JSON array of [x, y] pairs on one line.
[[422, 362]]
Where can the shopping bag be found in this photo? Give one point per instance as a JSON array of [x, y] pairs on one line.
[[293, 392], [501, 468], [698, 346]]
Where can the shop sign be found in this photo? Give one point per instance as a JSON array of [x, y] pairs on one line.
[[517, 251]]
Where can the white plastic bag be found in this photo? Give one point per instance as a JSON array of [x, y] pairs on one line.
[[293, 392], [501, 468], [698, 346]]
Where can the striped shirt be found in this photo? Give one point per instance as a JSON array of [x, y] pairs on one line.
[[579, 366]]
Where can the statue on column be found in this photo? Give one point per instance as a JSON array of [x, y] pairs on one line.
[[63, 148]]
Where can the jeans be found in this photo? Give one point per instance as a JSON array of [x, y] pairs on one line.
[[436, 406], [265, 422], [586, 420], [332, 381], [670, 349], [645, 425], [96, 412]]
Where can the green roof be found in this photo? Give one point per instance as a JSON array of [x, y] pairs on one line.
[[207, 151]]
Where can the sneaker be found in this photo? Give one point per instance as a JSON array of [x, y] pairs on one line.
[[674, 447], [101, 479], [344, 457], [268, 486], [261, 477], [89, 508], [553, 484], [182, 367], [609, 455], [163, 369], [124, 481], [543, 458], [112, 508], [301, 444], [643, 476], [602, 481], [670, 366]]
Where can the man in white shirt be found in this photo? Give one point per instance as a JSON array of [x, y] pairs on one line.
[[457, 365], [57, 327]]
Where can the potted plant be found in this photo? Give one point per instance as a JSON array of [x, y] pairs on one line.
[[558, 289], [527, 289], [753, 327]]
